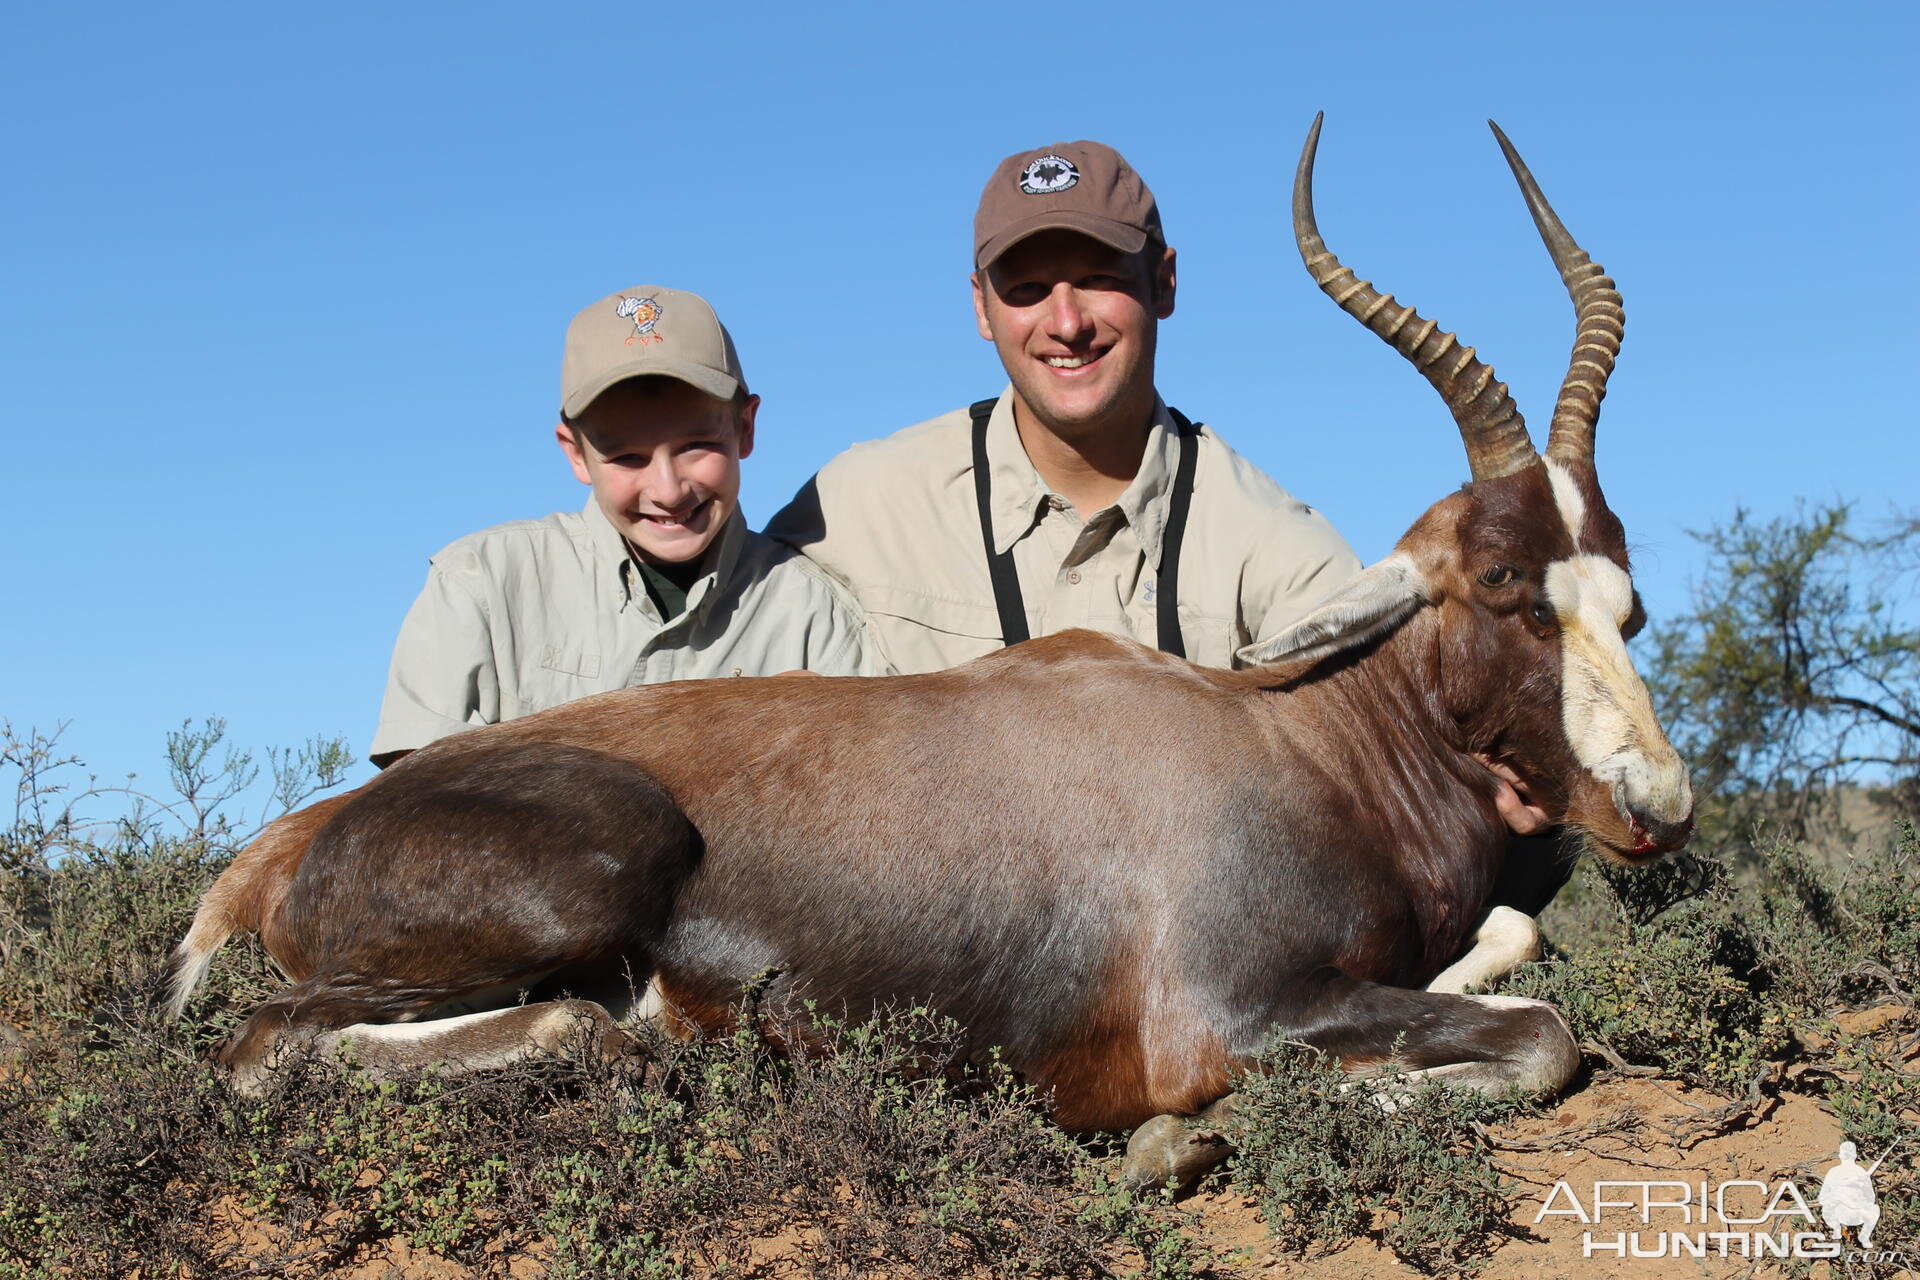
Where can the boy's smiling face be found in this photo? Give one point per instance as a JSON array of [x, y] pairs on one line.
[[664, 462]]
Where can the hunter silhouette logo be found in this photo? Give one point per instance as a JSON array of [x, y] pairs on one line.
[[1049, 175], [1846, 1195], [645, 314]]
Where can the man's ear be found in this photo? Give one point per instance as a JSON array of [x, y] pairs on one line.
[[980, 305], [569, 440], [1164, 285], [1374, 602], [744, 421]]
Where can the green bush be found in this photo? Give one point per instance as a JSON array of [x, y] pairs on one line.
[[1688, 968], [120, 1150], [1327, 1162]]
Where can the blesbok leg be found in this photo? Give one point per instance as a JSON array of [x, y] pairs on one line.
[[453, 878], [467, 1043], [1505, 940], [1391, 1034]]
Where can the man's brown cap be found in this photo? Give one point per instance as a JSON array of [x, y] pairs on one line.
[[647, 330], [1080, 186]]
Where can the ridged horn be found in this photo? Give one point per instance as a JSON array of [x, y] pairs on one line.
[[1489, 421], [1599, 322]]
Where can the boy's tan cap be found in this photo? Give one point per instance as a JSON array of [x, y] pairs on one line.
[[1080, 186], [647, 330]]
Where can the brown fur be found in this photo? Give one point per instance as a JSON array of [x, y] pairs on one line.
[[868, 841]]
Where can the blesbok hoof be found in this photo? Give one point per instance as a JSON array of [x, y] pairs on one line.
[[578, 1029], [256, 1059], [1177, 1149]]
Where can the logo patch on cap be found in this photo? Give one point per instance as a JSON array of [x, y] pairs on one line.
[[645, 314], [1049, 175]]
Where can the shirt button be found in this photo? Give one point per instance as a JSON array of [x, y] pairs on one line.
[[1073, 576]]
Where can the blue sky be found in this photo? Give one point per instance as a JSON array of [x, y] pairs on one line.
[[284, 288]]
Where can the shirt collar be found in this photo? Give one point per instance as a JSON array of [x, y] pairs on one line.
[[1146, 500], [1019, 492], [610, 553]]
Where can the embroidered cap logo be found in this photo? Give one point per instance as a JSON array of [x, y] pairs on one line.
[[1049, 175], [645, 314]]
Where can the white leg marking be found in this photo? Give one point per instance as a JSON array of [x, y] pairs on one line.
[[466, 1043], [380, 1048], [1505, 940], [412, 1032], [650, 1006]]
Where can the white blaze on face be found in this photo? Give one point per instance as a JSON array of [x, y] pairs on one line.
[[1604, 705]]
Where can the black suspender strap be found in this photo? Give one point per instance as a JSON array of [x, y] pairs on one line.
[[1167, 589], [1006, 582]]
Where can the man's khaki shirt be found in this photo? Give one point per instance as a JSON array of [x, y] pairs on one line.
[[898, 521], [530, 614]]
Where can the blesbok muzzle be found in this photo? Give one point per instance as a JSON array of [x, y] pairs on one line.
[[1607, 712]]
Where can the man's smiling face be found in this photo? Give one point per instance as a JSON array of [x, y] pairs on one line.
[[1075, 323], [664, 462]]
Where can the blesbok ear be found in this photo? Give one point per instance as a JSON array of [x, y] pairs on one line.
[[1373, 603]]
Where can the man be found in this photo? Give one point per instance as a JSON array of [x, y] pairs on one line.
[[1077, 498], [657, 578]]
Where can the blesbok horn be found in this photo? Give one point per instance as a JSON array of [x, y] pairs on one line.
[[1489, 421], [1599, 322]]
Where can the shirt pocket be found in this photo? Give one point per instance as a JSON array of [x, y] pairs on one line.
[[925, 633], [553, 675], [1211, 642]]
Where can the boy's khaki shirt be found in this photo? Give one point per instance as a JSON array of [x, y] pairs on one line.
[[897, 520], [531, 614]]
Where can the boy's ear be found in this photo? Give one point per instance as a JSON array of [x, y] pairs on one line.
[[570, 445], [980, 305], [745, 421]]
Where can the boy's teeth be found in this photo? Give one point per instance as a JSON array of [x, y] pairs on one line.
[[1065, 362]]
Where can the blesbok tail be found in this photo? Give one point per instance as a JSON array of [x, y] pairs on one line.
[[244, 898], [212, 926]]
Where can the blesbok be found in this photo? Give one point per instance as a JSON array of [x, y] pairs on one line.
[[1305, 843]]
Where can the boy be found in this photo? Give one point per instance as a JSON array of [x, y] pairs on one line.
[[658, 578]]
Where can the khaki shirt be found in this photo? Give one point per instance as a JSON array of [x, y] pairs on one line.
[[897, 520], [528, 615]]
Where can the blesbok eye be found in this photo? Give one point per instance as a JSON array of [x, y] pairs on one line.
[[1543, 614], [1498, 575]]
